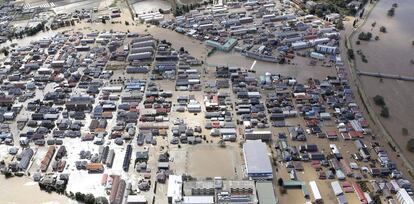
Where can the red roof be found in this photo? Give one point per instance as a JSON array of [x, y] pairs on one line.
[[360, 193], [346, 136], [356, 134], [364, 123]]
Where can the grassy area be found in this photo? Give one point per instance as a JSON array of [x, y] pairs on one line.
[[115, 67]]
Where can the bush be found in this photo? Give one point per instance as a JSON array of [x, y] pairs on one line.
[[379, 100], [404, 131], [410, 145], [383, 29], [385, 112]]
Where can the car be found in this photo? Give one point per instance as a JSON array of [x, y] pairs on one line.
[[175, 141]]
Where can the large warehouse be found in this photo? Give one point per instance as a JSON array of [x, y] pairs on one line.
[[257, 160]]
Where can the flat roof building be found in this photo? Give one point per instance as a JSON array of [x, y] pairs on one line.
[[265, 193], [403, 197], [226, 47], [174, 192], [257, 160]]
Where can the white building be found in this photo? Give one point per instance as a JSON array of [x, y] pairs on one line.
[[403, 197], [174, 191]]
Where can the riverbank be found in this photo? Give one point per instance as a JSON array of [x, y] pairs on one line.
[[391, 54]]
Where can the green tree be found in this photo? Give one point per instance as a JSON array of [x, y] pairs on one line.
[[351, 54], [280, 182], [404, 131], [379, 100], [79, 197], [385, 112], [365, 36], [410, 145], [89, 199], [340, 24]]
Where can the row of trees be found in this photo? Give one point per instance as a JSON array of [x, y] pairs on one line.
[[379, 101], [180, 10]]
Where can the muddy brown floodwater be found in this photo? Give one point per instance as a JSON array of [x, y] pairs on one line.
[[23, 191], [391, 54]]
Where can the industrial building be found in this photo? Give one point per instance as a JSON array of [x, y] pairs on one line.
[[257, 160], [174, 192], [226, 47], [265, 193]]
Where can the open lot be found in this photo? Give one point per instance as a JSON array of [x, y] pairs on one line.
[[212, 161]]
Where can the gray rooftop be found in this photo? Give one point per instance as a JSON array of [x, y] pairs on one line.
[[265, 193], [256, 157]]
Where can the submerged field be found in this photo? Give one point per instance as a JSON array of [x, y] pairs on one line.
[[391, 54]]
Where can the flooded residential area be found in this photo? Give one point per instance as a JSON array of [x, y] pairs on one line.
[[202, 102]]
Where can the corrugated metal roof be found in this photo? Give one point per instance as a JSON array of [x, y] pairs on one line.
[[256, 157]]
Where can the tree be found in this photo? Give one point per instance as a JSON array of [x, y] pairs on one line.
[[379, 100], [101, 200], [280, 182], [383, 29], [391, 12], [5, 51], [385, 112], [89, 199], [351, 54], [410, 145], [365, 36], [340, 24], [79, 197]]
